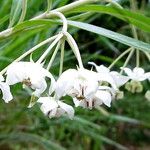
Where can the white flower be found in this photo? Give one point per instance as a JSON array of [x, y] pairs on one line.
[[31, 74], [102, 96], [7, 96], [138, 74], [55, 108], [112, 77], [81, 84], [147, 95]]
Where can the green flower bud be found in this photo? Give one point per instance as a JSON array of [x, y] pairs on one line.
[[134, 86]]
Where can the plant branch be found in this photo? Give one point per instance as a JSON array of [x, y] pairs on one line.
[[44, 15], [30, 51]]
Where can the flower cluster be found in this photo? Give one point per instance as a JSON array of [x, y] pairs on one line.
[[87, 88]]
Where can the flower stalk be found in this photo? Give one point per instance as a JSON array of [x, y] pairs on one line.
[[62, 57], [24, 10], [50, 48], [30, 51]]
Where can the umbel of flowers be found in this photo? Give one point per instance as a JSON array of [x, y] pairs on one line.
[[87, 88]]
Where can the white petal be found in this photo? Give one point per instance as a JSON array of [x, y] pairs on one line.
[[107, 78], [138, 71], [1, 78], [119, 79], [81, 103], [128, 71], [104, 96], [147, 75], [39, 87], [91, 88], [65, 82], [48, 104], [101, 68], [16, 72], [68, 109], [7, 96]]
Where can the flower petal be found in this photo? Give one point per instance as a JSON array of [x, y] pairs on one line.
[[39, 87], [118, 78], [7, 96], [48, 104], [65, 82], [104, 96], [68, 109], [101, 68]]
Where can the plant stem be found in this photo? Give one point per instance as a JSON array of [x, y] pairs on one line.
[[63, 18], [49, 5], [50, 48], [53, 56], [134, 32], [62, 57], [30, 51], [119, 57], [127, 60], [63, 9], [75, 48], [24, 10], [147, 55]]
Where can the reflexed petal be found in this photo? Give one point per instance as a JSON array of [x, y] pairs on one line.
[[16, 73], [78, 103], [34, 72], [119, 79], [48, 104], [65, 82], [91, 88], [39, 87], [68, 109], [107, 78], [101, 68], [7, 96], [104, 96]]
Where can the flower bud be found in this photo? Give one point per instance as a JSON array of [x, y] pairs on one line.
[[147, 95], [134, 86]]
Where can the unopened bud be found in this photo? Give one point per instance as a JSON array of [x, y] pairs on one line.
[[147, 95], [134, 86]]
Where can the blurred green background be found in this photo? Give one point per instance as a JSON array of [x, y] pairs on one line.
[[126, 125]]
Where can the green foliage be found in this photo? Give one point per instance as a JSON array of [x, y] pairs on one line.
[[123, 126]]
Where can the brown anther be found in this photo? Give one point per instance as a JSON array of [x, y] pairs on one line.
[[27, 82]]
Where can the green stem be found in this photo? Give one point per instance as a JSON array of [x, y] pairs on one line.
[[30, 51], [147, 55], [114, 3], [119, 57], [134, 32], [53, 56], [63, 9], [24, 10], [49, 5], [63, 18], [74, 48], [127, 60], [50, 48], [62, 57]]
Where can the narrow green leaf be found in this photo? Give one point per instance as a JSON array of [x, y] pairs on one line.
[[134, 18], [30, 138], [15, 11], [33, 23], [112, 35]]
